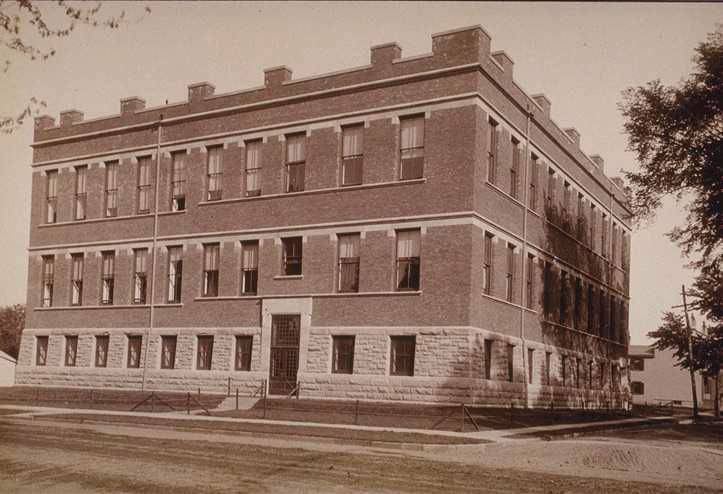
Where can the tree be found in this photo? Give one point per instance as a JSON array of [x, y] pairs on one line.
[[677, 136], [709, 354], [12, 322], [27, 27]]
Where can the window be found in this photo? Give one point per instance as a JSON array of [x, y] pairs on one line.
[[343, 355], [111, 189], [591, 235], [577, 304], [563, 369], [349, 262], [564, 294], [175, 274], [510, 276], [487, 264], [637, 364], [533, 182], [168, 351], [107, 278], [590, 308], [402, 355], [577, 372], [76, 279], [48, 281], [603, 236], [71, 350], [144, 185], [547, 290], [550, 187], [580, 218], [210, 270], [253, 168], [637, 388], [295, 162], [602, 375], [515, 168], [613, 254], [101, 350], [488, 359], [249, 267], [530, 365], [352, 156], [530, 282], [412, 147], [178, 181], [244, 343], [204, 355], [492, 140], [566, 201], [214, 173], [589, 375], [51, 196], [510, 362], [602, 314], [140, 283], [292, 256], [81, 173], [408, 253], [134, 351], [548, 357], [41, 350]]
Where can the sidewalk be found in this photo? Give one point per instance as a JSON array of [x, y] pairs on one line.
[[492, 435]]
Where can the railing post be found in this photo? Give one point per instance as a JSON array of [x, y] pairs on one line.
[[356, 413], [188, 403], [264, 414], [462, 409], [236, 398], [228, 390]]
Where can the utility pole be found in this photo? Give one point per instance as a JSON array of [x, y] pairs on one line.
[[690, 355]]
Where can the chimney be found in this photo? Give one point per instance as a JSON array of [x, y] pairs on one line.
[[132, 105], [505, 61], [69, 117], [44, 122], [574, 135], [599, 162], [385, 53], [199, 91], [463, 45], [275, 76], [543, 103]]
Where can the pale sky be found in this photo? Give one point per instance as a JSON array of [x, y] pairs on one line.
[[580, 55]]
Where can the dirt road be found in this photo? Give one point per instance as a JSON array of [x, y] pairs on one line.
[[69, 458]]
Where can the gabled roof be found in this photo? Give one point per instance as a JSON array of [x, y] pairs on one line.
[[5, 356]]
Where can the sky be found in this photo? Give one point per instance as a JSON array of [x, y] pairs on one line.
[[581, 55]]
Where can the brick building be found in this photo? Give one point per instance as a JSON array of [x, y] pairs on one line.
[[413, 229]]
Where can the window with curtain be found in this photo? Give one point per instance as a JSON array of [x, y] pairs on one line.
[[292, 255], [81, 173], [144, 184], [51, 196], [134, 351], [76, 279], [408, 257], [492, 150], [510, 277], [487, 263], [168, 351], [244, 345], [249, 267], [530, 281], [534, 170], [402, 355], [515, 167], [48, 280], [352, 154], [412, 147], [178, 181], [111, 189], [342, 359], [175, 274], [71, 350], [140, 279], [107, 277], [101, 350], [295, 162], [204, 354], [214, 173], [253, 168], [210, 270], [41, 350], [349, 262]]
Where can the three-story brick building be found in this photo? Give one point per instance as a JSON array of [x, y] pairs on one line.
[[414, 229]]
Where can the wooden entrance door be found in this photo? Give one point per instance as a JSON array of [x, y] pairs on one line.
[[284, 353]]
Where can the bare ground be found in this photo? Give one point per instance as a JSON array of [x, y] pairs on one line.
[[66, 457]]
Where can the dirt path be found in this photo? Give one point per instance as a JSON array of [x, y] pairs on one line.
[[63, 458]]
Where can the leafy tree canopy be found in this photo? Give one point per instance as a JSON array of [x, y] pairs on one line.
[[12, 322]]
